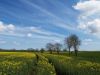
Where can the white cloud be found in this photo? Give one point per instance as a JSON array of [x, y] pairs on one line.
[[43, 32], [89, 18], [88, 8], [29, 35], [57, 41], [91, 26], [88, 40], [2, 27], [33, 32], [34, 29], [11, 27], [6, 27]]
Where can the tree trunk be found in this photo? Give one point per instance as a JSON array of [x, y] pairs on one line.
[[75, 49], [58, 51], [76, 52], [50, 51], [69, 51]]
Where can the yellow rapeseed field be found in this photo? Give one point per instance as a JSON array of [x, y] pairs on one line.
[[16, 63]]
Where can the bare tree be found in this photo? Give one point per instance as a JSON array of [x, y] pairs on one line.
[[68, 43], [57, 47], [42, 50], [50, 47], [75, 42]]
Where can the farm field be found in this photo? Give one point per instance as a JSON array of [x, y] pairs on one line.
[[29, 63], [87, 63], [24, 63], [16, 63], [49, 37]]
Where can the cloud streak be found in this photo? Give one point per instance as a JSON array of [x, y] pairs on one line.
[[12, 30], [54, 20]]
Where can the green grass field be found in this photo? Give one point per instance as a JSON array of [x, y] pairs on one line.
[[26, 63], [87, 63]]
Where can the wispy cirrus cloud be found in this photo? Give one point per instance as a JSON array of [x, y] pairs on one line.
[[87, 41], [55, 20], [12, 30], [51, 18]]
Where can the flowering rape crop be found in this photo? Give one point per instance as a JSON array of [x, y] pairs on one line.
[[24, 63], [16, 63], [29, 63], [44, 67]]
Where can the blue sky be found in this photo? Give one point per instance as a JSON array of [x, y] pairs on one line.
[[33, 23]]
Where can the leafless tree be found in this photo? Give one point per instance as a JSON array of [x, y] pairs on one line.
[[75, 42], [57, 47], [50, 47]]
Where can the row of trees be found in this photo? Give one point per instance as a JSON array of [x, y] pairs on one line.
[[55, 46], [71, 41]]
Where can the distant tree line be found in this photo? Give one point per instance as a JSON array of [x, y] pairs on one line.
[[71, 41], [55, 46]]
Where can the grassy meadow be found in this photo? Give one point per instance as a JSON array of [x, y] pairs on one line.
[[36, 63]]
